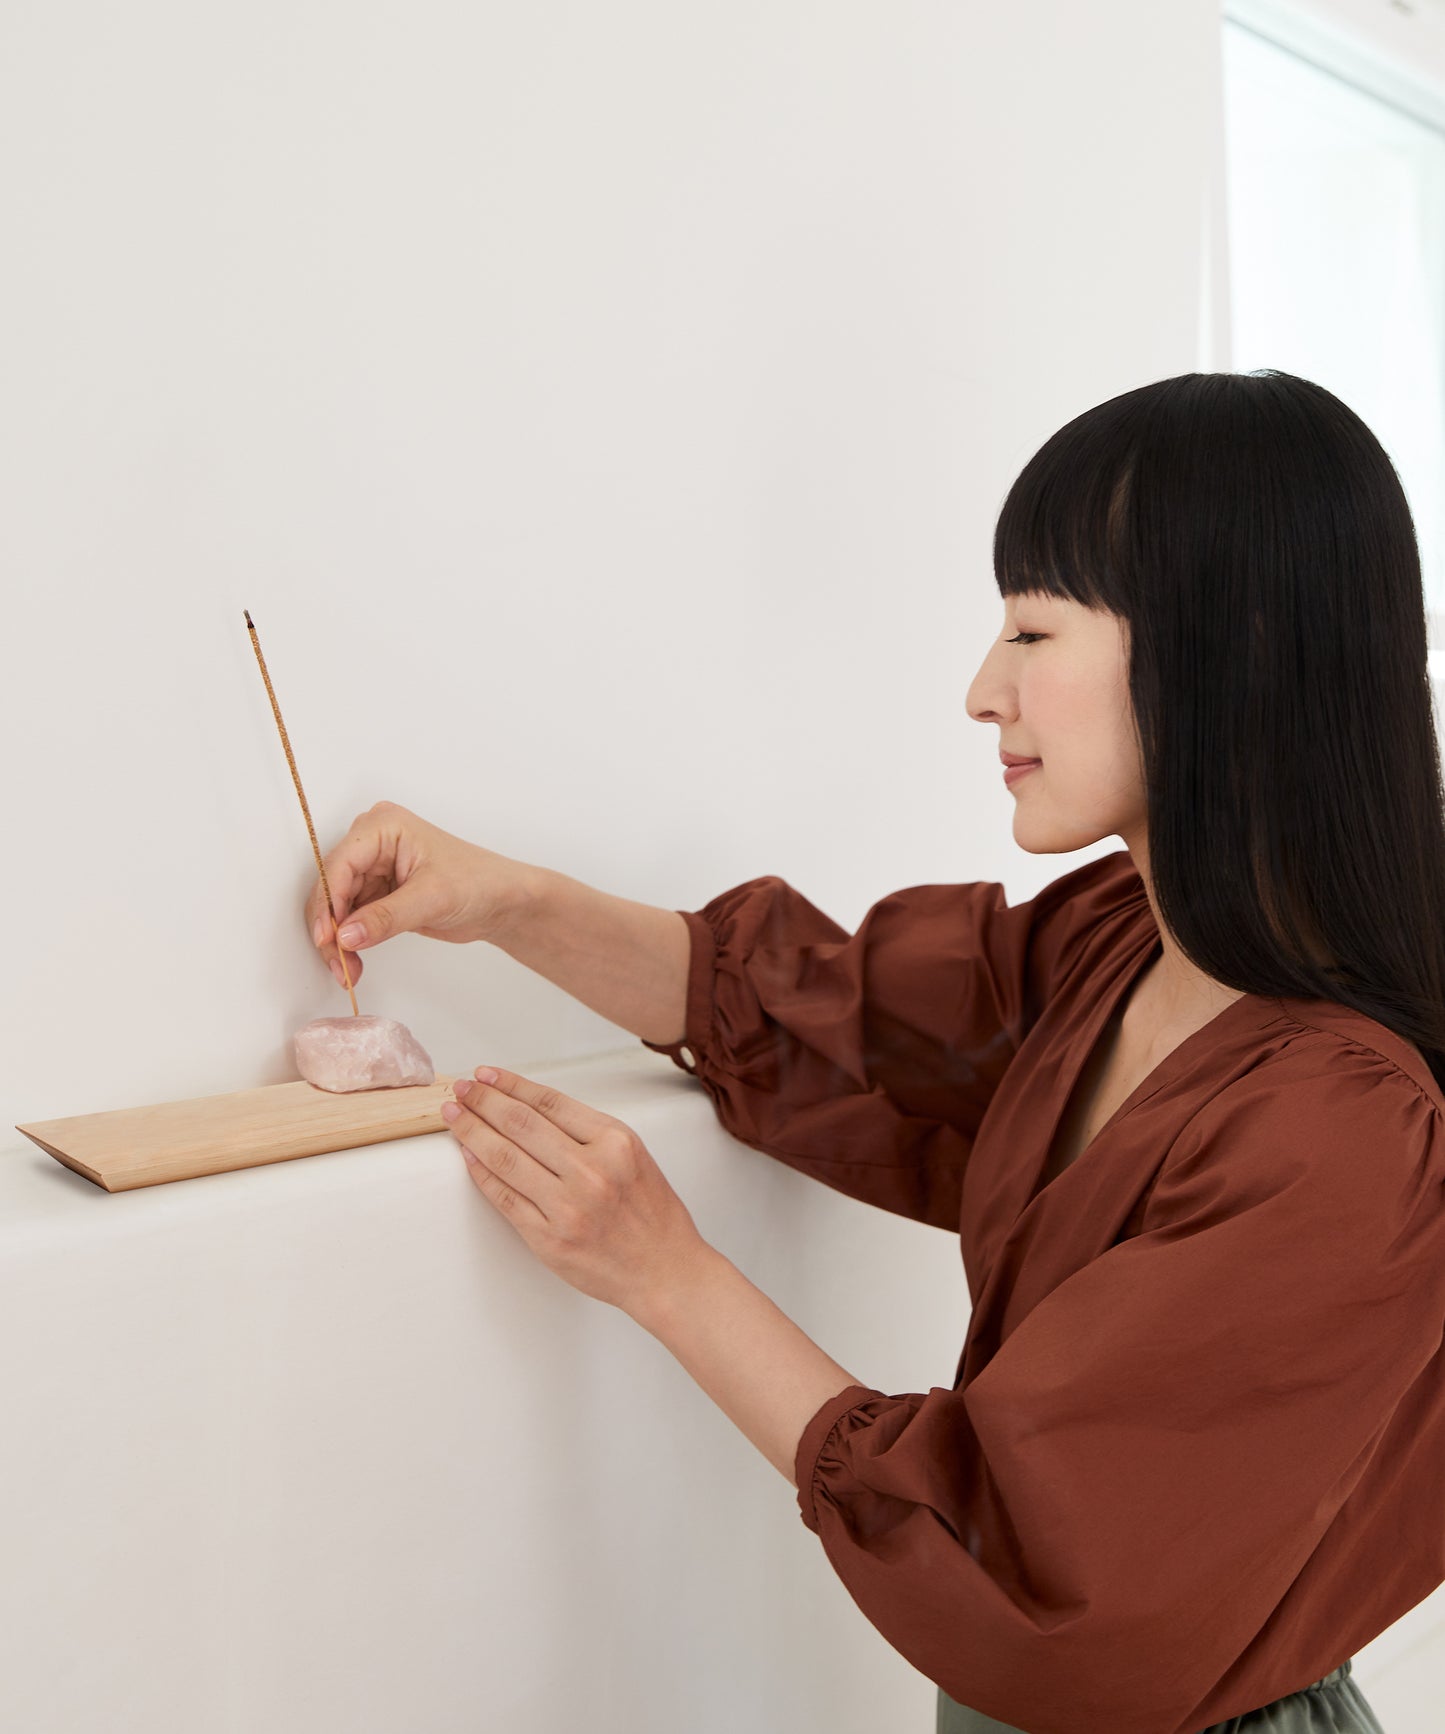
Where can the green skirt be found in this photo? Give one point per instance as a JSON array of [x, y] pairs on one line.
[[1334, 1705]]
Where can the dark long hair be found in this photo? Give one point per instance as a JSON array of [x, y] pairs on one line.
[[1253, 535]]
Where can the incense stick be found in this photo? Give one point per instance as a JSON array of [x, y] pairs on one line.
[[311, 829]]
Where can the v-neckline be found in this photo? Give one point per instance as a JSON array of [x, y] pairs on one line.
[[1083, 1050]]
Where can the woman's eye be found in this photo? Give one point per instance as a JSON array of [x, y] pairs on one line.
[[1024, 637]]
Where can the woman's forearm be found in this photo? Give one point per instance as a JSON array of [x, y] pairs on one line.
[[627, 961], [763, 1371]]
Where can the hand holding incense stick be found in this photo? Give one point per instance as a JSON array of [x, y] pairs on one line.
[[296, 778], [340, 1054]]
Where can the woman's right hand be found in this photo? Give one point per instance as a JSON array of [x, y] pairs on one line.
[[394, 873]]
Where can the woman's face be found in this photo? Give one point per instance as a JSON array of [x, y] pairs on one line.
[[1064, 698]]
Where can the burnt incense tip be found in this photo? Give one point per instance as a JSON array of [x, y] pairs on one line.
[[249, 621]]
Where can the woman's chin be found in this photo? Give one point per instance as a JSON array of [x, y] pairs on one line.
[[1037, 834]]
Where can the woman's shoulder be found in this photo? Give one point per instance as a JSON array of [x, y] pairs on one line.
[[1336, 1053], [1311, 1088]]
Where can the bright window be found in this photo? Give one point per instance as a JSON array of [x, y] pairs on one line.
[[1336, 225]]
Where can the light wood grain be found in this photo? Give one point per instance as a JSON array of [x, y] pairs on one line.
[[122, 1148]]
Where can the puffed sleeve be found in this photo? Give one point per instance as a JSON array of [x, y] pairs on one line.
[[1086, 1537], [868, 1061]]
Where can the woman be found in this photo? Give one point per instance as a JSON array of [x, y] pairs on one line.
[[1183, 1107]]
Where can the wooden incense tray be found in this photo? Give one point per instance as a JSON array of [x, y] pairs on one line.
[[126, 1147]]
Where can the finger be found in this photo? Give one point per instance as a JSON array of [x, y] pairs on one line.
[[536, 1187], [580, 1122], [329, 929], [520, 1212], [353, 963], [346, 866], [522, 1125], [323, 929], [329, 952]]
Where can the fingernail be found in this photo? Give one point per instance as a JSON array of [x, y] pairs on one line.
[[351, 937], [318, 932], [487, 1074], [450, 1111], [460, 1088]]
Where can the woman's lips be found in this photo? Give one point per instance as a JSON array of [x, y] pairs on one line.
[[1012, 773]]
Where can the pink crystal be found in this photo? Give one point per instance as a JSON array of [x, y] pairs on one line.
[[360, 1053]]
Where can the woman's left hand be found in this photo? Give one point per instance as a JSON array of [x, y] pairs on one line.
[[579, 1187]]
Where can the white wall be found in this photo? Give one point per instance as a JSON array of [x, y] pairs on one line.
[[320, 1448], [603, 413]]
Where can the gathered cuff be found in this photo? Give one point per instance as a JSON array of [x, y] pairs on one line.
[[815, 1436]]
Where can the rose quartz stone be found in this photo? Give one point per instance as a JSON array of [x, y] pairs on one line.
[[360, 1053]]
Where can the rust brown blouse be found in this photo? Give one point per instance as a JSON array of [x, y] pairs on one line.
[[1193, 1456]]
